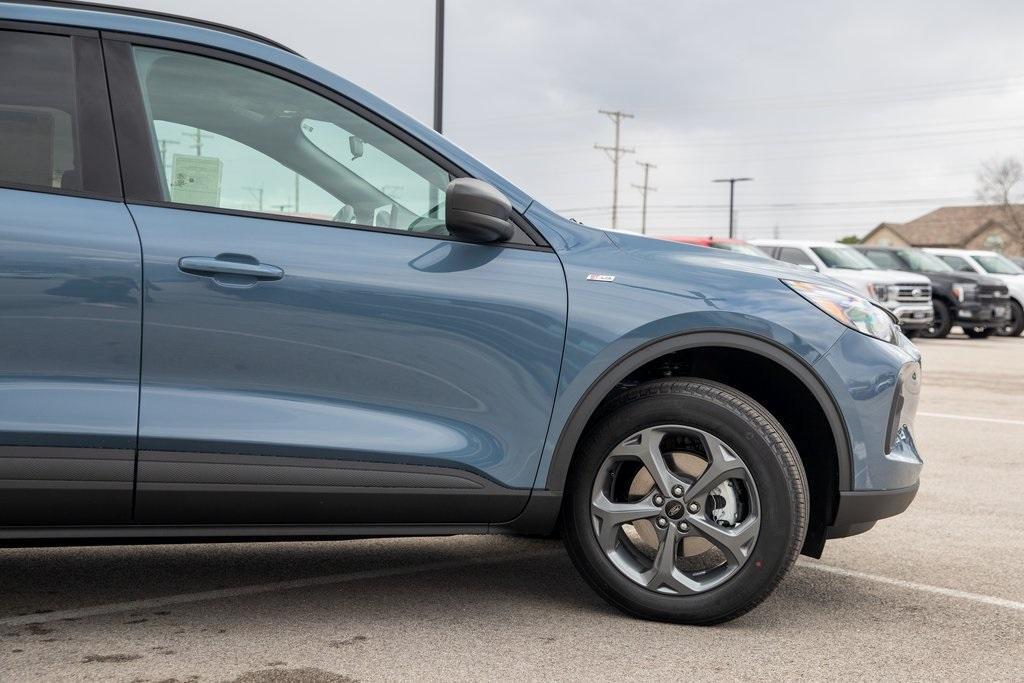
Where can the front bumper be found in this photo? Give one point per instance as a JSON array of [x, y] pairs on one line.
[[859, 510], [912, 316], [876, 387], [979, 314]]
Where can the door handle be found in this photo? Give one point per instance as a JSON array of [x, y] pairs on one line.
[[229, 264]]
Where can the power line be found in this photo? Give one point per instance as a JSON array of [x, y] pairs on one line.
[[198, 136], [644, 189], [615, 152]]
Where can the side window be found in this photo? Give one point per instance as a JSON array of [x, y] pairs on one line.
[[957, 263], [231, 137], [795, 256], [885, 259], [38, 117]]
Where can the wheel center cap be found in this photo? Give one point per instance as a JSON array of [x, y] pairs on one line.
[[675, 509]]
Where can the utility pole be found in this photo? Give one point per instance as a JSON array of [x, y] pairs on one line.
[[615, 152], [438, 64], [732, 185], [644, 189], [296, 193], [163, 149], [257, 194], [198, 136], [775, 231]]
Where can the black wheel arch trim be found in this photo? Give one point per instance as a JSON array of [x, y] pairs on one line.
[[769, 349]]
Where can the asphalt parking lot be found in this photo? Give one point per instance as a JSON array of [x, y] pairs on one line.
[[934, 594]]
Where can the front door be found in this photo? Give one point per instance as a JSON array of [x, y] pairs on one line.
[[316, 349]]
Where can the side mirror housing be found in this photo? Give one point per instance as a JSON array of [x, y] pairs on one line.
[[477, 211]]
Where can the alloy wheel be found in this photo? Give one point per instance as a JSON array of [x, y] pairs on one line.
[[675, 510]]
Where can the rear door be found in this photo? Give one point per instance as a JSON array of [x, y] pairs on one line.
[[316, 348], [70, 275]]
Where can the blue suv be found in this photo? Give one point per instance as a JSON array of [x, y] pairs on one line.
[[243, 298]]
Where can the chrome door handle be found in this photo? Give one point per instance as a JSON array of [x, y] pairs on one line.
[[229, 264]]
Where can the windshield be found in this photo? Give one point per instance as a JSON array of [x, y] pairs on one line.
[[994, 263], [846, 258], [924, 262], [741, 247]]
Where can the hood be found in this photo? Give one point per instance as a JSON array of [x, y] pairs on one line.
[[960, 278], [683, 254]]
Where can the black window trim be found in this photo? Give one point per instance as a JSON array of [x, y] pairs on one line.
[[96, 153], [138, 161]]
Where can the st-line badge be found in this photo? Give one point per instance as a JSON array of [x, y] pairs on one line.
[[597, 277]]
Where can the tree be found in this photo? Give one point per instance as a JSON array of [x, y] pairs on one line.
[[849, 239], [1001, 182]]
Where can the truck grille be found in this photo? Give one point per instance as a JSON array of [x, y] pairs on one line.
[[992, 292], [914, 294]]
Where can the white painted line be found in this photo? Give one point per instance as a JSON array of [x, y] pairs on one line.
[[923, 587], [330, 579], [994, 420]]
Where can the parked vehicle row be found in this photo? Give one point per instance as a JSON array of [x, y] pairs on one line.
[[980, 291], [907, 295], [977, 303]]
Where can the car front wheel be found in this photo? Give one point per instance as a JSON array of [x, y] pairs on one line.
[[686, 503]]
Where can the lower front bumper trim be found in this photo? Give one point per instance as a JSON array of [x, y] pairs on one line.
[[859, 510]]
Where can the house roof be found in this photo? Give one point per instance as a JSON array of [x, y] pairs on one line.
[[950, 225]]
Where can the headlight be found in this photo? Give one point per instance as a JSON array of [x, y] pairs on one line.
[[881, 292], [854, 311], [965, 292]]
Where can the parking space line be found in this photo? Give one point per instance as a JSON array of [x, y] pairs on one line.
[[255, 589], [923, 587], [995, 420]]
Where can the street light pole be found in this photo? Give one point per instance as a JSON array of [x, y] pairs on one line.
[[732, 193], [438, 65]]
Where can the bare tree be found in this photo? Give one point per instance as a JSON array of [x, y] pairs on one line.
[[1001, 182]]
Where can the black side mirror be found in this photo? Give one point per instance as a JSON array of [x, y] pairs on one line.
[[477, 211]]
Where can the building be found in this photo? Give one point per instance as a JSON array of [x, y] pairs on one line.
[[962, 227]]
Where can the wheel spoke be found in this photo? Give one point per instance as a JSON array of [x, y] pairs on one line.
[[612, 515], [646, 447], [736, 542], [722, 464], [663, 572]]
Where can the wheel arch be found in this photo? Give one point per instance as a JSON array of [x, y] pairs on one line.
[[836, 475]]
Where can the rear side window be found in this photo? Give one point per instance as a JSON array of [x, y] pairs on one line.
[[38, 117]]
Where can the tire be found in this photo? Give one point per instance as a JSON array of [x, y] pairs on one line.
[[696, 414], [942, 324], [1016, 325], [979, 332]]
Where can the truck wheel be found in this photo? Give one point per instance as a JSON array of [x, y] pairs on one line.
[[979, 332], [686, 503], [1016, 325], [942, 323]]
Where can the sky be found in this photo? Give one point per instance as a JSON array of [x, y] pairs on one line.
[[844, 114]]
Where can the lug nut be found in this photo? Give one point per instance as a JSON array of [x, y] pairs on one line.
[[677, 491], [683, 526], [662, 522], [659, 501], [693, 507]]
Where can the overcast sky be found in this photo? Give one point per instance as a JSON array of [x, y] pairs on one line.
[[845, 113]]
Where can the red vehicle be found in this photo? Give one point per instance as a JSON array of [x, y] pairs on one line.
[[725, 243]]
